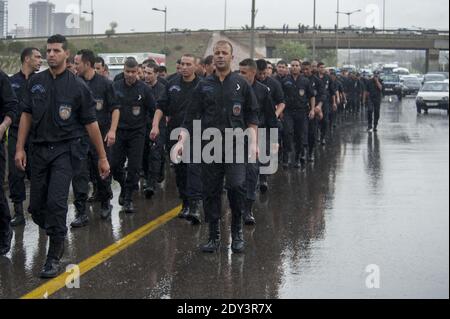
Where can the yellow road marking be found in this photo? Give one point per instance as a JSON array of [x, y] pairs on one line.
[[52, 286]]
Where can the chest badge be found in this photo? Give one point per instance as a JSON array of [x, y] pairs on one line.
[[136, 110], [302, 92], [65, 111], [237, 108], [99, 105]]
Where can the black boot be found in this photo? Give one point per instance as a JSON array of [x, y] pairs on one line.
[[94, 196], [263, 184], [249, 219], [128, 207], [149, 190], [184, 213], [237, 235], [5, 242], [81, 220], [19, 218], [194, 215], [105, 210], [298, 161], [52, 265], [213, 243]]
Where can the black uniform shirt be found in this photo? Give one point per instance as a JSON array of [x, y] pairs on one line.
[[176, 98], [329, 88], [375, 93], [228, 104], [19, 84], [318, 88], [137, 104], [297, 93], [105, 100], [276, 91], [158, 89], [60, 107], [267, 116], [8, 100]]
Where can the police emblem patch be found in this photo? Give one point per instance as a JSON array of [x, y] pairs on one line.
[[237, 109], [302, 92], [99, 105], [65, 111], [136, 110]]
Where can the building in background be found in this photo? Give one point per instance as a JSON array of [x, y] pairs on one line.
[[41, 18], [3, 18]]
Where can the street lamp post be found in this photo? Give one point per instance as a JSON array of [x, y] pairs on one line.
[[252, 37], [165, 23], [225, 17], [314, 32], [92, 16], [349, 13]]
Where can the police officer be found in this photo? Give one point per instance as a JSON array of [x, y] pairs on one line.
[[282, 71], [210, 68], [263, 75], [329, 100], [154, 155], [375, 91], [100, 66], [31, 60], [339, 98], [267, 120], [173, 104], [59, 109], [224, 100], [8, 112], [137, 105], [300, 109], [108, 114]]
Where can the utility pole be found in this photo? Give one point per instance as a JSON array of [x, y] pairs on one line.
[[252, 37], [225, 17], [314, 32]]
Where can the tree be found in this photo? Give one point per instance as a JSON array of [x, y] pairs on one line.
[[113, 26], [16, 47], [290, 50]]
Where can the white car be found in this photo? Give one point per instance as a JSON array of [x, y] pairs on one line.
[[433, 95]]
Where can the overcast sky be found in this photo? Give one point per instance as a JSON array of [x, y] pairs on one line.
[[137, 15]]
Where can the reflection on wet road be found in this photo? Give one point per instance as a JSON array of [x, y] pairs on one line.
[[370, 199]]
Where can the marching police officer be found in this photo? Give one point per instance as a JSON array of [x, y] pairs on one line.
[[31, 60], [300, 109], [173, 104], [154, 155], [267, 120], [375, 91], [58, 109], [108, 114], [263, 75], [136, 106], [223, 100], [329, 100], [8, 112]]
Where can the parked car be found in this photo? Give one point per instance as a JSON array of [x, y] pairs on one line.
[[433, 95]]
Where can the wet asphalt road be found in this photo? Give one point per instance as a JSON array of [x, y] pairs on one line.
[[370, 199]]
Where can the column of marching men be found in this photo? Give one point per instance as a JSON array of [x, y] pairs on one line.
[[72, 125]]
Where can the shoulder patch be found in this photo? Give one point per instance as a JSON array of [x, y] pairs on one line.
[[38, 88]]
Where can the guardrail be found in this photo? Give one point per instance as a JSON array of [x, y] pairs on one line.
[[262, 30]]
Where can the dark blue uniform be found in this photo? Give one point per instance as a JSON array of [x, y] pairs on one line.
[[105, 104], [60, 108], [174, 103], [267, 119], [154, 157], [329, 91], [8, 107], [298, 93], [220, 105], [16, 177], [375, 97], [137, 106]]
